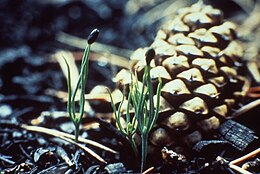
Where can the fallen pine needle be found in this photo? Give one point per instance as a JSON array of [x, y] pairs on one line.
[[245, 108], [59, 133], [148, 170], [247, 156], [86, 149], [239, 169], [232, 166], [69, 137]]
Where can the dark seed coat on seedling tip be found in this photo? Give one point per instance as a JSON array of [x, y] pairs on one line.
[[149, 55], [93, 36]]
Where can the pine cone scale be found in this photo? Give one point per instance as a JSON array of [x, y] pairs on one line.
[[198, 58]]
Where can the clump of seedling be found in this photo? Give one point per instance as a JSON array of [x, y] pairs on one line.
[[141, 97], [75, 116]]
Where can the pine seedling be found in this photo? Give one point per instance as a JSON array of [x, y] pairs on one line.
[[131, 122], [145, 113], [75, 116]]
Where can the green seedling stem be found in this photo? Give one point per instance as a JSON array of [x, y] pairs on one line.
[[80, 86]]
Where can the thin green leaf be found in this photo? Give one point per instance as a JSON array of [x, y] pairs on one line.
[[69, 88], [127, 109], [151, 94], [83, 80], [158, 94], [117, 113], [79, 82]]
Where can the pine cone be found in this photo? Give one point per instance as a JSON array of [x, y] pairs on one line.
[[198, 59]]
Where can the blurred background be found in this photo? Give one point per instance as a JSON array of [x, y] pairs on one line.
[[126, 24]]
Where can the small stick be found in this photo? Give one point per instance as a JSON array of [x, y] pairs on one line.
[[221, 160], [148, 170], [243, 158], [239, 169], [245, 108]]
